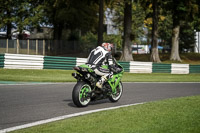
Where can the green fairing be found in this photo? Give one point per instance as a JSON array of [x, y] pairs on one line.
[[86, 66], [114, 82], [105, 66]]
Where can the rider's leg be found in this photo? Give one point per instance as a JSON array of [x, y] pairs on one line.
[[105, 75], [100, 83]]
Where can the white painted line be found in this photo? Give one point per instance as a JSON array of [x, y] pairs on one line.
[[61, 118]]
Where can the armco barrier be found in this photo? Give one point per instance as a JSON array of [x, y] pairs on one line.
[[194, 69], [80, 61], [180, 68], [140, 67], [53, 62], [21, 61], [125, 65], [161, 68], [1, 60]]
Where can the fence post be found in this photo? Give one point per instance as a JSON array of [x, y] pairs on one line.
[[17, 46], [36, 47], [28, 46], [44, 47], [7, 46]]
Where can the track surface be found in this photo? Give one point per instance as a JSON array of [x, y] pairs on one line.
[[22, 104]]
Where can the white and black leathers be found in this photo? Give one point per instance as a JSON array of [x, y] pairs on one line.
[[98, 57]]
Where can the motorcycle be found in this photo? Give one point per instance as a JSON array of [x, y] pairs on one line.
[[86, 90]]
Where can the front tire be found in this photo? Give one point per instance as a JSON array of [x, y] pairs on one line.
[[80, 94], [117, 96]]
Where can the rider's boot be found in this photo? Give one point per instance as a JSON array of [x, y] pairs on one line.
[[100, 83]]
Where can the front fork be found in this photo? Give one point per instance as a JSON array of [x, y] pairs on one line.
[[114, 82]]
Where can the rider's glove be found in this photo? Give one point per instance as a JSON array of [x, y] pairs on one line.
[[115, 69]]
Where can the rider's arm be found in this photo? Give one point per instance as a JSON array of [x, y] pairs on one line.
[[111, 63], [110, 59], [112, 66]]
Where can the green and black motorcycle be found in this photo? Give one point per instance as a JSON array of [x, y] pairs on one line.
[[86, 91]]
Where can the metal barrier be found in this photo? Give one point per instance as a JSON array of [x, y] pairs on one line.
[[194, 69], [53, 62], [161, 68], [180, 68], [22, 61], [1, 60], [125, 65], [140, 67]]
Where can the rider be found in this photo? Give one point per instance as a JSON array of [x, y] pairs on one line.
[[102, 56]]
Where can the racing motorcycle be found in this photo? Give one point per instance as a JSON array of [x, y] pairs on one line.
[[86, 90]]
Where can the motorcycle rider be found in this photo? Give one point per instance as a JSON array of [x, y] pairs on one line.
[[99, 56]]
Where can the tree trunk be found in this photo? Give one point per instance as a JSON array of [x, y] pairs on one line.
[[154, 49], [127, 50], [175, 35], [175, 44], [100, 29], [57, 34], [9, 27]]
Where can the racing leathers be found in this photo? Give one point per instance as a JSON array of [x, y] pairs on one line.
[[98, 57]]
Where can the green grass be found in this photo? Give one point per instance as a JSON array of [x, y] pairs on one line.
[[161, 77], [179, 115], [47, 75]]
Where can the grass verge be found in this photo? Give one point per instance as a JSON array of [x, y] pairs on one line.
[[172, 115], [47, 75]]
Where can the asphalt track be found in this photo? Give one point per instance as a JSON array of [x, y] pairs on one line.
[[26, 103]]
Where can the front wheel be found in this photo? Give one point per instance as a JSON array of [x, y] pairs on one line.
[[80, 94], [114, 97]]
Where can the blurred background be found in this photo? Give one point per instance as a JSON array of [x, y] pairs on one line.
[[72, 28]]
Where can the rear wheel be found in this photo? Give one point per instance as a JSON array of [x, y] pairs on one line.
[[114, 97], [80, 94]]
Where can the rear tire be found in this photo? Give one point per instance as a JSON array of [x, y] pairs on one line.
[[80, 94], [117, 96]]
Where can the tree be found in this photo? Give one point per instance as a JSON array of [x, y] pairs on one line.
[[71, 15], [175, 33], [20, 14], [187, 36], [154, 53], [138, 16], [6, 16], [182, 10], [101, 18], [127, 50]]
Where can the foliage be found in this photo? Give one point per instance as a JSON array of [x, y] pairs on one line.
[[72, 15], [22, 14], [114, 39], [187, 37], [74, 18], [88, 41], [138, 16]]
